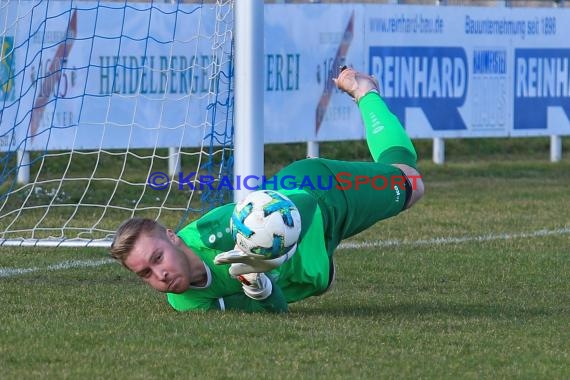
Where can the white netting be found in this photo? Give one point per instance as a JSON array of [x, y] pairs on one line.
[[98, 97]]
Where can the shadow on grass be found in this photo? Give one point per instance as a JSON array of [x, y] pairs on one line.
[[432, 309]]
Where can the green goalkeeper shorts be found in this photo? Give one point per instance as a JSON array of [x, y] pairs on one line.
[[352, 196]]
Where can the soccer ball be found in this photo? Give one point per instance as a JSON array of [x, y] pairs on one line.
[[266, 224]]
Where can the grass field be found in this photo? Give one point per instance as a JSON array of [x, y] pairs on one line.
[[473, 282]]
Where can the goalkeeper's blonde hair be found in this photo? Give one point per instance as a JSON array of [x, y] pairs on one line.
[[128, 233]]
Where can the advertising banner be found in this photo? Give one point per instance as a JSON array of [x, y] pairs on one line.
[[99, 75], [102, 75], [444, 71]]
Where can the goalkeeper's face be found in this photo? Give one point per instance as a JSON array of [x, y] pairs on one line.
[[161, 262]]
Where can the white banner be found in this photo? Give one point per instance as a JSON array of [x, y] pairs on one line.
[[109, 75], [144, 78], [444, 71], [303, 51]]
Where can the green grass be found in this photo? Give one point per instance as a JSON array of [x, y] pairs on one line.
[[493, 303]]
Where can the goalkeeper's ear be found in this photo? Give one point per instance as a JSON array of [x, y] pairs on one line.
[[171, 235]]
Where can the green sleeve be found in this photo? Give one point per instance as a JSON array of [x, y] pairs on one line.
[[275, 303]]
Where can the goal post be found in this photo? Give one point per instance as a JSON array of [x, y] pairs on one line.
[[115, 110], [249, 137]]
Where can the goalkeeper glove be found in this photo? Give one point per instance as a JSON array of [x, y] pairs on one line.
[[243, 263], [255, 285]]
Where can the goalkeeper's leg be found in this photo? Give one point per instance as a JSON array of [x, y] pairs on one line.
[[387, 140], [352, 196], [363, 193]]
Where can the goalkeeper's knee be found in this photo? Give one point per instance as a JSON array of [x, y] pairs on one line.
[[414, 184]]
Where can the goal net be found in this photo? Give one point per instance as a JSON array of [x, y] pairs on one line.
[[112, 110]]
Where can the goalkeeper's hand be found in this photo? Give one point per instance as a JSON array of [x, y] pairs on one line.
[[248, 269], [256, 285], [244, 263]]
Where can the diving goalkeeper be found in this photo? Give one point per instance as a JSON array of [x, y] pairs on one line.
[[198, 267]]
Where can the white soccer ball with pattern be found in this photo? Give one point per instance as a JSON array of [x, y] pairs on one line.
[[266, 223]]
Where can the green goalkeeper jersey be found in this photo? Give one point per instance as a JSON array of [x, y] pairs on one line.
[[305, 274], [360, 194]]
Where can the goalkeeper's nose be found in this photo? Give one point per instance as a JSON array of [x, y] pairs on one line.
[[162, 275]]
